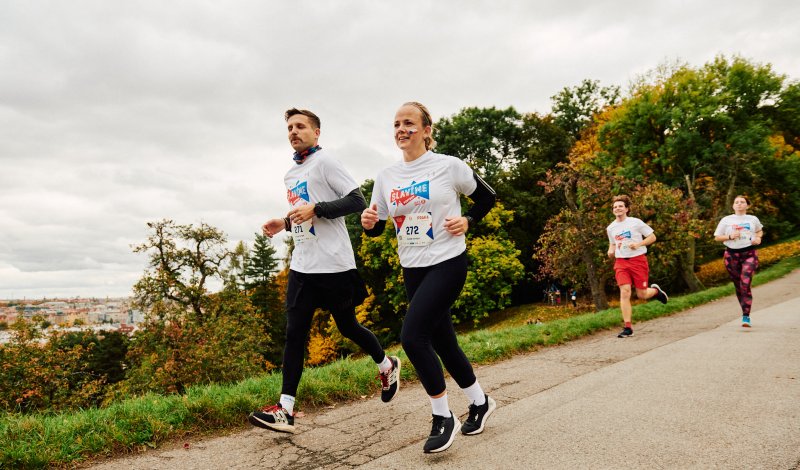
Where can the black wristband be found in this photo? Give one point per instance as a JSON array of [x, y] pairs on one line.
[[470, 221], [287, 224]]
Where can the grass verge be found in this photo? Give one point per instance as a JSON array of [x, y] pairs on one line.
[[42, 440]]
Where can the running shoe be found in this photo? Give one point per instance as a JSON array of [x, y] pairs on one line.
[[661, 296], [273, 417], [390, 381], [746, 321], [625, 333], [478, 416], [443, 432]]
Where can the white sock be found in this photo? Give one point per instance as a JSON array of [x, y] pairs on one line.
[[287, 401], [440, 406], [475, 394], [385, 365]]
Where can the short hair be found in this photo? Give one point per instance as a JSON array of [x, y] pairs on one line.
[[746, 199], [426, 121], [625, 200], [311, 116]]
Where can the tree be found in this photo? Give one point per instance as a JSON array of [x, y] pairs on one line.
[[190, 335], [706, 131], [573, 244], [36, 374], [512, 152], [574, 108], [488, 139], [265, 294], [182, 260]]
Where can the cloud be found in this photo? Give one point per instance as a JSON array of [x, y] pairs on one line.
[[119, 113]]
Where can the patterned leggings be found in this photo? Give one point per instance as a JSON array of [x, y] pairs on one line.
[[741, 267]]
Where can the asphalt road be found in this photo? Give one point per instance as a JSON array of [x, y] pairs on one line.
[[693, 390]]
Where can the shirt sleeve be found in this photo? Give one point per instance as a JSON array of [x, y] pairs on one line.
[[720, 228], [757, 225], [463, 180], [378, 198], [337, 177], [644, 229]]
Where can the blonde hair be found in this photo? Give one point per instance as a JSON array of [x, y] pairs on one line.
[[427, 121]]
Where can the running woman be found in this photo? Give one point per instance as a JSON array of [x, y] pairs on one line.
[[323, 272], [628, 238], [421, 194], [740, 233]]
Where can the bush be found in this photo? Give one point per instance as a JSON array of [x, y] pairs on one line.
[[714, 272]]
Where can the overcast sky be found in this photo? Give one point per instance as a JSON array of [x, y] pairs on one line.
[[116, 113]]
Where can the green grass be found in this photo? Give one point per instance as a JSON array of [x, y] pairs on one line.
[[41, 440]]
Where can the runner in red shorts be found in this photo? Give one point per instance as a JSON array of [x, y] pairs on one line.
[[628, 239]]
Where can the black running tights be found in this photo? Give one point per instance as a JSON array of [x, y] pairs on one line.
[[428, 333]]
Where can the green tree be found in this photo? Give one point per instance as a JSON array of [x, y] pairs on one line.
[[575, 108], [488, 139], [494, 269], [512, 152], [191, 336], [265, 295], [182, 259], [706, 131]]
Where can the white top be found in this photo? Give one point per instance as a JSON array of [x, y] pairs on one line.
[[321, 245], [418, 196], [622, 234], [746, 225]]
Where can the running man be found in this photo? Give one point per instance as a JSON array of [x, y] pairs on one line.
[[322, 272], [628, 239]]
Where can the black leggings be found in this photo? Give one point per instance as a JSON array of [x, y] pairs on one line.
[[337, 292], [428, 328]]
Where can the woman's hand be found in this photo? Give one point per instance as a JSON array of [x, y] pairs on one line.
[[369, 217], [456, 225]]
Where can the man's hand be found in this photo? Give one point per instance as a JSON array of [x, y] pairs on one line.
[[301, 214], [273, 227]]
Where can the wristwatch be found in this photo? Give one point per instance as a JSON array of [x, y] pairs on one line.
[[470, 221]]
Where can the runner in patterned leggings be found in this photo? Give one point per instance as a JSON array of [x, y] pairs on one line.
[[323, 272], [740, 233], [421, 194]]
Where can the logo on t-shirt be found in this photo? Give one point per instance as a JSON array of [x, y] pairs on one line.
[[626, 235], [742, 226], [300, 191], [416, 192]]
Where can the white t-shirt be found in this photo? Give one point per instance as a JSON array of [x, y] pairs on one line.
[[622, 234], [747, 226], [417, 196], [321, 245]]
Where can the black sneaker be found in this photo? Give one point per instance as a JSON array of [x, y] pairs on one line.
[[273, 417], [390, 381], [661, 296], [478, 416], [625, 333], [443, 432]]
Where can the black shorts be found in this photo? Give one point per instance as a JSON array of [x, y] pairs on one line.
[[325, 290]]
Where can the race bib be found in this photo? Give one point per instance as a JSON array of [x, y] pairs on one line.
[[744, 234], [304, 233], [415, 229]]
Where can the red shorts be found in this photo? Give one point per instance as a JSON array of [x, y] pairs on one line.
[[633, 271]]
